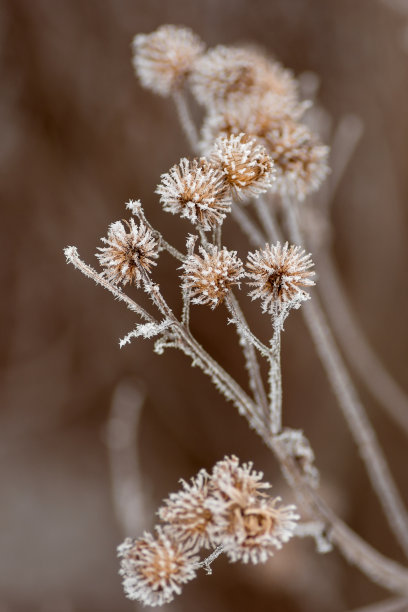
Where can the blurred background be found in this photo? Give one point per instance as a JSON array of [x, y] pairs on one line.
[[79, 137]]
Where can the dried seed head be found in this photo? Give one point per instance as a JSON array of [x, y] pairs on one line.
[[189, 520], [127, 252], [196, 190], [226, 73], [210, 276], [253, 115], [154, 570], [253, 529], [247, 167], [300, 159], [237, 482], [278, 275], [163, 59]]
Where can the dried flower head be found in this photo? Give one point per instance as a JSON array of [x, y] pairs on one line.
[[236, 482], [210, 276], [278, 275], [253, 115], [154, 570], [127, 252], [301, 161], [226, 73], [187, 514], [247, 166], [251, 530], [163, 59], [196, 190]]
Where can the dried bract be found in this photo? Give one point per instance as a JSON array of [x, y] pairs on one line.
[[154, 570], [237, 481], [128, 252], [196, 190], [187, 514], [246, 164], [210, 276], [226, 73], [301, 161], [278, 276], [164, 58]]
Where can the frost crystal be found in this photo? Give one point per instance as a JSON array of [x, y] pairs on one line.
[[210, 276], [154, 570], [127, 252], [247, 166], [163, 59], [196, 190], [278, 275]]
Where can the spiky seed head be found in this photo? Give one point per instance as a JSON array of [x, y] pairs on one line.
[[254, 115], [278, 275], [252, 530], [247, 167], [187, 515], [231, 73], [209, 276], [154, 569], [163, 59], [301, 160], [196, 190], [237, 481], [130, 249]]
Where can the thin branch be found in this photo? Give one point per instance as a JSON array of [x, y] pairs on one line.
[[390, 605], [275, 383], [348, 134], [206, 563], [72, 255], [186, 120], [352, 408], [267, 219]]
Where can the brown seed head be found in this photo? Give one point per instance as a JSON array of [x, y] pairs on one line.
[[278, 275], [163, 59], [127, 252], [247, 167], [196, 190], [210, 276], [153, 570], [231, 73]]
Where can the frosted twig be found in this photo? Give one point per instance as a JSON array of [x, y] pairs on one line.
[[185, 119], [206, 563], [267, 219], [346, 138], [396, 604], [72, 255], [315, 530], [252, 365], [352, 408], [275, 383]]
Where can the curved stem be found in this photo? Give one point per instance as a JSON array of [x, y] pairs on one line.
[[185, 119]]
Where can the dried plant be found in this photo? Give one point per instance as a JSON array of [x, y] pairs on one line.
[[258, 154]]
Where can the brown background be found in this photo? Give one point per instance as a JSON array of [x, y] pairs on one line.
[[78, 138]]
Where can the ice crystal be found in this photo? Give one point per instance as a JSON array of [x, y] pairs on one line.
[[196, 190], [164, 58], [128, 252], [278, 275]]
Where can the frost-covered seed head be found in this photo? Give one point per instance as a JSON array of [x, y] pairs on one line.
[[163, 59], [127, 252], [301, 161], [253, 115], [226, 73], [196, 190], [187, 514], [247, 166], [278, 275], [237, 481], [154, 569], [253, 531], [211, 275]]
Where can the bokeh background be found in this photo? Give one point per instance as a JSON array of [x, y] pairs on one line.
[[79, 137]]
